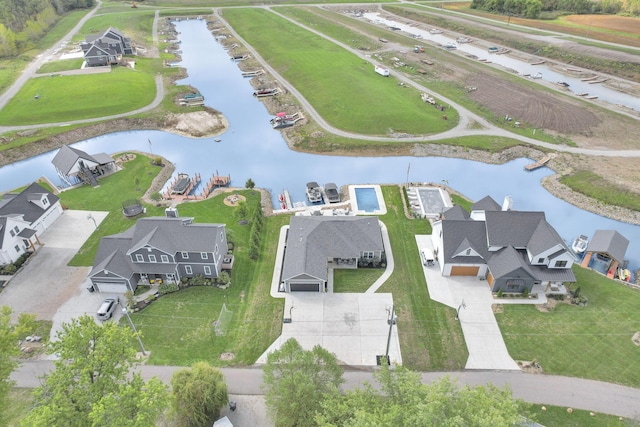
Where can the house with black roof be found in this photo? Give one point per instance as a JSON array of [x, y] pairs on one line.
[[106, 48], [24, 217], [605, 252], [75, 166], [317, 243], [513, 250], [158, 250]]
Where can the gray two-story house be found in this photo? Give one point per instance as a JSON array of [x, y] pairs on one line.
[[106, 48], [158, 250]]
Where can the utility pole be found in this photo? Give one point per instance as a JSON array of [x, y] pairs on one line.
[[126, 313], [391, 321]]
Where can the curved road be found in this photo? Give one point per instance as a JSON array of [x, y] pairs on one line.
[[541, 389]]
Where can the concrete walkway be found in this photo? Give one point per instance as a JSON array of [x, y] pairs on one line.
[[473, 300]]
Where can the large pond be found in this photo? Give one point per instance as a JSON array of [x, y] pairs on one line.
[[252, 149]]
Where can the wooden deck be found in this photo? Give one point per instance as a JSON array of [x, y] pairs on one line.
[[216, 181], [540, 163]]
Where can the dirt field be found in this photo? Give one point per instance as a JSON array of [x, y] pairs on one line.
[[621, 24], [535, 108]]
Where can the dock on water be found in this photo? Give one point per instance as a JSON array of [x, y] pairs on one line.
[[540, 163]]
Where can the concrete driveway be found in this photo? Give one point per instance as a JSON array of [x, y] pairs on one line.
[[46, 286]]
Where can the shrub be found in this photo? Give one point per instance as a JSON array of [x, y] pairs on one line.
[[500, 293], [156, 197], [129, 297], [525, 292], [157, 160], [224, 278], [167, 288]]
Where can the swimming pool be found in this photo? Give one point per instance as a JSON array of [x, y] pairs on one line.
[[367, 199]]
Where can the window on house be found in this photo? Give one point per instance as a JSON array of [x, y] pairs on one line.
[[45, 201], [185, 255], [152, 258], [187, 269], [367, 255], [540, 260], [13, 233], [16, 229], [222, 234], [215, 250], [468, 252], [204, 255], [17, 248], [164, 258], [514, 284], [139, 258], [561, 264], [207, 270]]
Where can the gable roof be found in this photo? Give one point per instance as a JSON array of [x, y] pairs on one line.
[[23, 203], [67, 157], [610, 242], [312, 240], [170, 235], [456, 212], [486, 204], [457, 232], [515, 228]]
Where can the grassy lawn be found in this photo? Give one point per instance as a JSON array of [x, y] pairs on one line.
[[257, 318], [430, 338], [592, 185], [63, 98], [593, 341], [343, 88], [558, 416], [62, 65], [134, 23], [113, 190], [346, 280]]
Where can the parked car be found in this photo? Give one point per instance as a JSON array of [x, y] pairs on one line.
[[107, 308]]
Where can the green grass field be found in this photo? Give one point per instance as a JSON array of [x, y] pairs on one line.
[[343, 88], [134, 23], [593, 341], [64, 98], [358, 281], [62, 65], [592, 185]]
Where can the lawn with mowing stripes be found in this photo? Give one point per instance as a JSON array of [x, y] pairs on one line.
[[430, 337], [63, 98], [343, 88], [593, 341]]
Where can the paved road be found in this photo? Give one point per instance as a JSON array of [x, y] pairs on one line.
[[467, 118], [541, 389]]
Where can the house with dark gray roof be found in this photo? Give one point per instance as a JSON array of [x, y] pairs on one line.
[[106, 48], [513, 250], [74, 166], [158, 250], [316, 244], [605, 252], [24, 217]]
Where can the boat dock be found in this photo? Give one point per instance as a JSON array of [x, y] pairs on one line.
[[542, 61], [183, 185], [253, 73], [540, 163]]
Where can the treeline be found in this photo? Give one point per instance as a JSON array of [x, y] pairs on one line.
[[24, 22], [533, 8]]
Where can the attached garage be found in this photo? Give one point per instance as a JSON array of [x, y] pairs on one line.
[[460, 270], [304, 287], [110, 288]]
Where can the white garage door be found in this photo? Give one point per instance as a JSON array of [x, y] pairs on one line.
[[111, 288]]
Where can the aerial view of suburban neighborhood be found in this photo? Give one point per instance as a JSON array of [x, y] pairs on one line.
[[380, 213]]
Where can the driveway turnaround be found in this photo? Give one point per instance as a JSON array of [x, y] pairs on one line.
[[473, 300], [46, 283]]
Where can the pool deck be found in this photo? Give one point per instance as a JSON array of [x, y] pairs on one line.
[[354, 201]]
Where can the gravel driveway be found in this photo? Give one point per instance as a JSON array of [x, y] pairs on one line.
[[46, 286]]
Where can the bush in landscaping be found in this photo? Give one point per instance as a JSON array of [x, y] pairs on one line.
[[224, 278], [167, 288], [500, 293]]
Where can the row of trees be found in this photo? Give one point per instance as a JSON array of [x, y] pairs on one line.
[[93, 383], [303, 389], [24, 22], [533, 8]]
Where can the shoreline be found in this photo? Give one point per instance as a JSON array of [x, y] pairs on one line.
[[209, 123]]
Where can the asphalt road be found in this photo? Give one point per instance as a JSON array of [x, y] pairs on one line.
[[541, 389]]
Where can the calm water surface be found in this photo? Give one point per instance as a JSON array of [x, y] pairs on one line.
[[251, 149]]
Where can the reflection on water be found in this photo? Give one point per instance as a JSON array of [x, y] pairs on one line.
[[251, 149]]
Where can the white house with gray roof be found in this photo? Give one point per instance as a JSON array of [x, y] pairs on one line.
[[158, 250], [23, 217], [512, 250], [317, 243]]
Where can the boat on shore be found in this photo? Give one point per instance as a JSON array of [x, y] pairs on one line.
[[624, 274], [580, 244], [332, 193], [283, 120], [313, 192]]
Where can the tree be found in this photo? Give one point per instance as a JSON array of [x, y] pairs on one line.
[[249, 184], [242, 209], [198, 395], [91, 384], [8, 351], [402, 399], [296, 382]]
